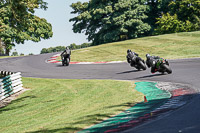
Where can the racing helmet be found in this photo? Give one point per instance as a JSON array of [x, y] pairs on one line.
[[128, 50], [147, 56]]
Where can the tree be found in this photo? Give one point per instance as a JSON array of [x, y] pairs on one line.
[[105, 21], [38, 29], [52, 49], [1, 48], [186, 10], [171, 24], [43, 51], [155, 10], [19, 11], [183, 16], [1, 51], [85, 45], [73, 46], [15, 53], [22, 54]]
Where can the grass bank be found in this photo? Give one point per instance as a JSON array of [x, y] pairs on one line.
[[62, 105], [169, 46], [1, 57]]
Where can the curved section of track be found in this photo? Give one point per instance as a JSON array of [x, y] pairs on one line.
[[185, 71]]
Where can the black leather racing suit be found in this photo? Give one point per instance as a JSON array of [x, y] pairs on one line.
[[130, 58], [66, 54]]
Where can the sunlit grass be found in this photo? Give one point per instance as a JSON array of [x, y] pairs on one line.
[[169, 46], [61, 105], [1, 57]]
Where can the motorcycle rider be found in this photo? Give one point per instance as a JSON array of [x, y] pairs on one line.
[[66, 53], [154, 62], [130, 57]]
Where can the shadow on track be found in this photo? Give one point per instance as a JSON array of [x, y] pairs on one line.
[[128, 71], [59, 65], [149, 76]]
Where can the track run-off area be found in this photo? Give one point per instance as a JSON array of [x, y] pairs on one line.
[[185, 71]]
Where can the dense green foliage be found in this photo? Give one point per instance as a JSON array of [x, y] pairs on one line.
[[74, 46], [15, 53], [105, 21], [186, 10], [183, 15], [171, 24], [19, 12], [62, 48], [18, 23], [155, 9], [52, 49], [108, 21]]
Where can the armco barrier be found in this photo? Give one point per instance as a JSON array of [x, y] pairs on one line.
[[10, 83]]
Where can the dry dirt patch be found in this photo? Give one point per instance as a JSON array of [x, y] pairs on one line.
[[8, 100]]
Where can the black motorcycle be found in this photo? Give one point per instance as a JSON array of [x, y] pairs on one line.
[[137, 62], [65, 59], [161, 65]]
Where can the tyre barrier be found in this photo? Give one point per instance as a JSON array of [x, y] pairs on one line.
[[10, 83]]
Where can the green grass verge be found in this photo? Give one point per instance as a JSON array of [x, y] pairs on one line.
[[63, 105], [1, 57], [169, 46]]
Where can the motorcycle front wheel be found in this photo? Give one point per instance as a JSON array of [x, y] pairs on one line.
[[142, 65], [67, 62], [167, 68]]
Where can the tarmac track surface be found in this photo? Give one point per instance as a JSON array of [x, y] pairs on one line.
[[186, 71]]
